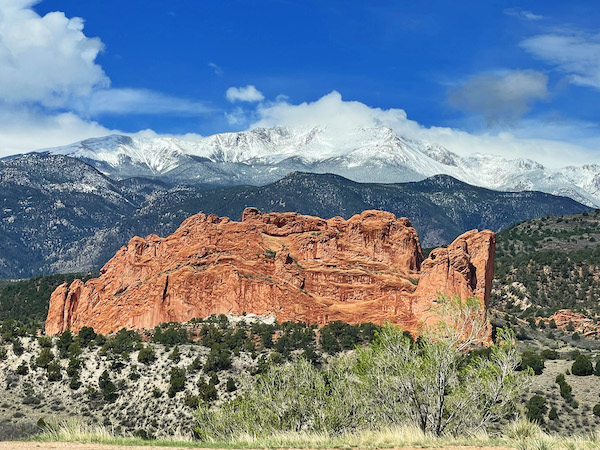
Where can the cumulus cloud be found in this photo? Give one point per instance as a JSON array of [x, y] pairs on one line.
[[335, 115], [576, 54], [48, 66], [522, 14], [244, 94], [23, 130], [46, 60], [498, 97]]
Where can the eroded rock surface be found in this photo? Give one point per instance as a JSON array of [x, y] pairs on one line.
[[296, 267]]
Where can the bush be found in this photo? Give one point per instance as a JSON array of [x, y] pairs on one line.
[[177, 381], [582, 366], [175, 355], [597, 369], [393, 380], [231, 386], [549, 354], [174, 334], [45, 341], [146, 355], [54, 371], [17, 347], [565, 388], [122, 343], [533, 360], [207, 392], [196, 365], [191, 401], [107, 387], [75, 383], [64, 342], [74, 366], [553, 414], [596, 410], [45, 358], [23, 368], [218, 359], [86, 336], [536, 408]]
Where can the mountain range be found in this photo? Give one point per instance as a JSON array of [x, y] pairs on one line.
[[59, 214], [263, 156]]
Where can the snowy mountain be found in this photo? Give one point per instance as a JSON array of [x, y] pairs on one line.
[[263, 156]]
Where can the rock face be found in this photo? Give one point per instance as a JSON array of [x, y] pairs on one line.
[[296, 267]]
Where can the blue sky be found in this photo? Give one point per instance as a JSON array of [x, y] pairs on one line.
[[487, 76]]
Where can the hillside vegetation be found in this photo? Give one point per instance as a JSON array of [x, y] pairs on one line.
[[547, 264]]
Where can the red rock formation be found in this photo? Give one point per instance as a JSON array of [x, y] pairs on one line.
[[293, 266], [565, 319]]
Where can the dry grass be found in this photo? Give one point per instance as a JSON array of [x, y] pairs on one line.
[[522, 435]]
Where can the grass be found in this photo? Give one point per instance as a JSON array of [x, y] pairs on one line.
[[521, 435]]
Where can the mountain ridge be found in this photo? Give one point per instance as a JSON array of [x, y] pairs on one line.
[[377, 154], [75, 230]]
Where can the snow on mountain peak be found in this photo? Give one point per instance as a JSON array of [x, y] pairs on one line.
[[362, 154]]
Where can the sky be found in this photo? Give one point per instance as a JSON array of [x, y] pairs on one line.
[[519, 79]]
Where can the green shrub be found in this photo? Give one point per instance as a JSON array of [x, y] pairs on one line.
[[64, 342], [196, 365], [3, 353], [122, 343], [107, 387], [146, 355], [582, 366], [177, 381], [218, 359], [17, 347], [596, 410], [207, 392], [86, 336], [549, 354], [533, 360], [45, 341], [536, 408], [23, 368], [597, 368], [231, 386], [175, 355], [75, 383], [191, 401], [74, 366], [553, 414], [156, 392], [173, 334], [54, 371], [45, 358]]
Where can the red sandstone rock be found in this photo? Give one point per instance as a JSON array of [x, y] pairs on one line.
[[293, 266]]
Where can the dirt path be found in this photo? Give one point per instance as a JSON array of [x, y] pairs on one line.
[[75, 446]]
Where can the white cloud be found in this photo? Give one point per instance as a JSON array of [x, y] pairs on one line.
[[576, 54], [24, 130], [48, 66], [216, 69], [46, 60], [244, 94], [504, 96], [140, 101], [522, 14], [526, 141]]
